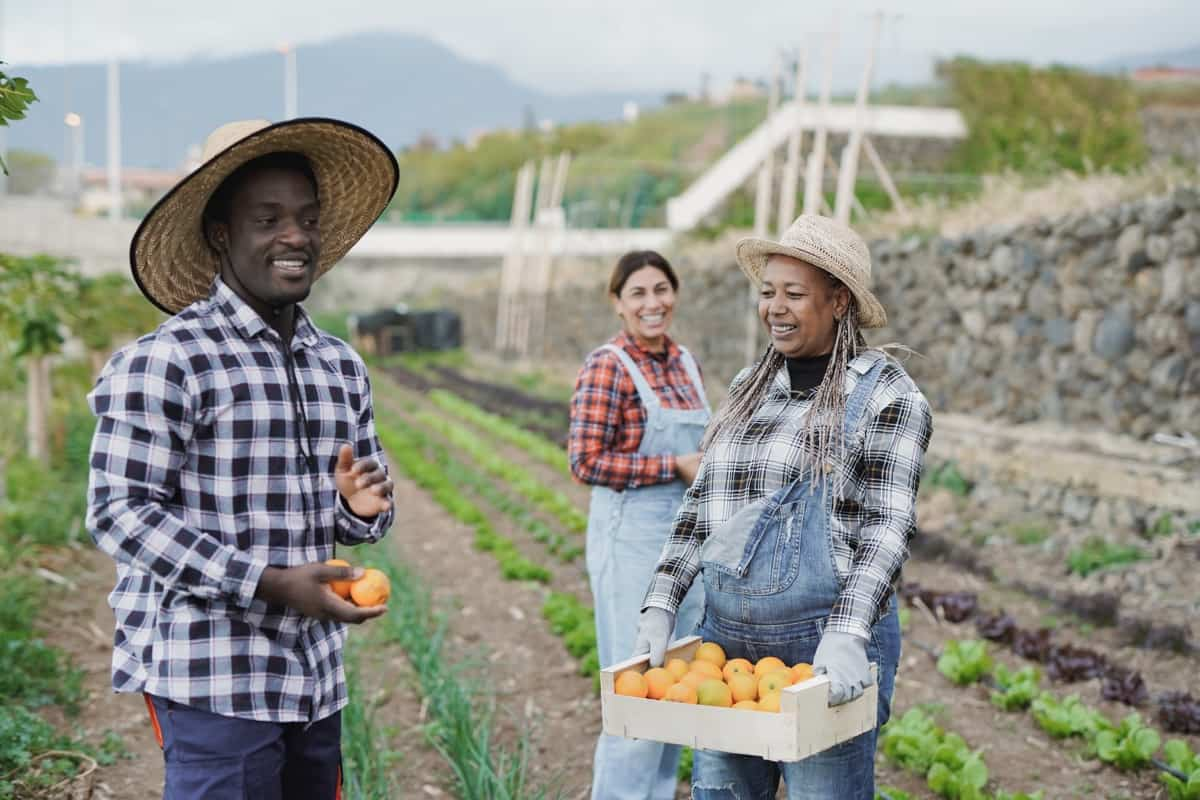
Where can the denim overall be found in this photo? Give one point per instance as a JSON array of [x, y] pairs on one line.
[[625, 536], [770, 584]]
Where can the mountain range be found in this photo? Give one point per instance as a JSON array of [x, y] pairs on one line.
[[398, 86]]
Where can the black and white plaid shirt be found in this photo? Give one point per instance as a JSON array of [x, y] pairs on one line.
[[874, 514], [199, 482]]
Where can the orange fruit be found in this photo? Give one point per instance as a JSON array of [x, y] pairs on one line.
[[681, 693], [801, 672], [714, 692], [712, 652], [769, 701], [631, 684], [372, 589], [677, 667], [706, 668], [340, 588], [743, 686], [694, 679], [658, 680], [748, 705], [767, 664], [774, 681], [736, 665]]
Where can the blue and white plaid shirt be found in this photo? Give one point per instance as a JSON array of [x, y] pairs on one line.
[[199, 482]]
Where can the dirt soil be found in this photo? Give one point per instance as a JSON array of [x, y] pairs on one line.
[[497, 626]]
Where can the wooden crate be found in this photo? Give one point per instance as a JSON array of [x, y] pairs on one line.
[[804, 725]]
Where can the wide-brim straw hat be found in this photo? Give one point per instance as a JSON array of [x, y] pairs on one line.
[[828, 245], [356, 174]]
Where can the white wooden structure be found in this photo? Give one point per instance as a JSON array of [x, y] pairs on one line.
[[805, 724]]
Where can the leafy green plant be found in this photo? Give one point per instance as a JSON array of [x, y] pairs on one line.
[[24, 738], [1097, 554], [1015, 690], [575, 623], [521, 480], [497, 426], [1180, 757], [406, 451], [950, 768], [461, 712], [1067, 717], [965, 662], [1130, 746], [15, 98]]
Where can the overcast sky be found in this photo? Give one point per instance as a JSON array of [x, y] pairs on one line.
[[572, 45]]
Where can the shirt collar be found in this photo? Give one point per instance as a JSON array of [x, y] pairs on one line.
[[248, 322], [629, 344]]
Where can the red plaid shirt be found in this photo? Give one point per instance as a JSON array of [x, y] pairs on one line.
[[608, 419]]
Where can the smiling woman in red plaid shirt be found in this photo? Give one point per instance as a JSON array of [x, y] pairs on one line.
[[637, 418]]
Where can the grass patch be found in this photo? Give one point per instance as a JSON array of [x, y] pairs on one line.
[[947, 476], [1030, 534], [462, 713], [1096, 554], [369, 759], [32, 673]]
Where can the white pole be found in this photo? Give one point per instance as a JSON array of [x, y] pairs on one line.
[[814, 190], [114, 140], [289, 81], [3, 133], [762, 210], [849, 171], [791, 168]]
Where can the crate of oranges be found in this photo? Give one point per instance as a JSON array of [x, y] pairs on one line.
[[701, 699]]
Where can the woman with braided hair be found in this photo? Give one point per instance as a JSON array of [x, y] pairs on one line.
[[799, 518]]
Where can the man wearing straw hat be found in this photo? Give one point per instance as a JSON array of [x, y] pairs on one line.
[[235, 446], [799, 518]]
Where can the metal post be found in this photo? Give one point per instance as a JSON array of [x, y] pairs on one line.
[[814, 188], [114, 141], [849, 171], [791, 167]]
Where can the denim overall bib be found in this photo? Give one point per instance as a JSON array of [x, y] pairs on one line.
[[770, 584], [625, 536]]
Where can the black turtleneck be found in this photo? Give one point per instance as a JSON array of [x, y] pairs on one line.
[[806, 373]]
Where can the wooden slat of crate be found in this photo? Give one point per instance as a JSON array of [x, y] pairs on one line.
[[803, 726]]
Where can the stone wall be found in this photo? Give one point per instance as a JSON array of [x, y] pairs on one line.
[[1090, 320], [1172, 133]]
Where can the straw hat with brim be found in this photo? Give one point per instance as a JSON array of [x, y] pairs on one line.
[[356, 176], [825, 244]]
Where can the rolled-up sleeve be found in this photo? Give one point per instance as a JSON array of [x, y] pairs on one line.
[[894, 448], [144, 409]]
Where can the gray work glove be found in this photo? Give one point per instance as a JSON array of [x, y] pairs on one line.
[[843, 657], [654, 632]]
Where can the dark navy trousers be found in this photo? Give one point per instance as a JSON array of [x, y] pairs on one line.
[[211, 757]]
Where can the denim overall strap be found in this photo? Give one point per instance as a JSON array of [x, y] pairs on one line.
[[645, 392], [693, 372], [856, 405]]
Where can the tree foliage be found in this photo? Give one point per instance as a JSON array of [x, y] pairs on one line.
[[15, 97]]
